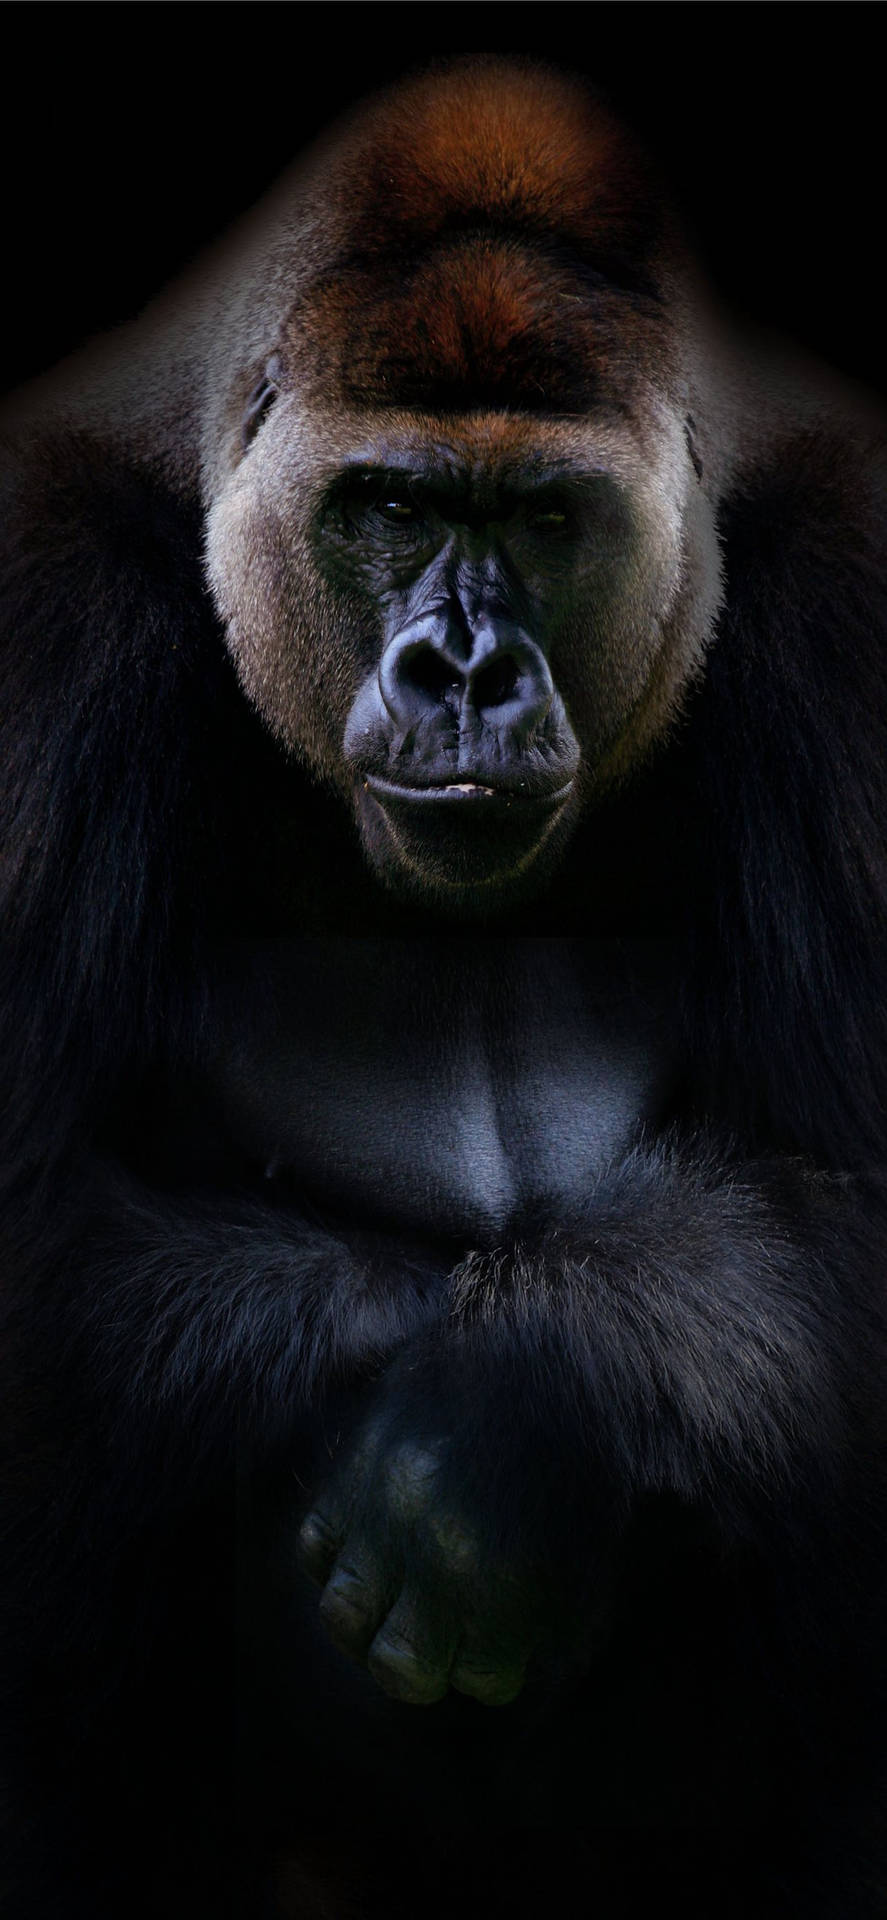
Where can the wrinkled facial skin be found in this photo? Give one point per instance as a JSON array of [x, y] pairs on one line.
[[470, 626]]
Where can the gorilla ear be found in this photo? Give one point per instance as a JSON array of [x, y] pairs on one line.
[[261, 399], [692, 449]]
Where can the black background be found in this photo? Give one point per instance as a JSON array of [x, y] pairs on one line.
[[134, 132]]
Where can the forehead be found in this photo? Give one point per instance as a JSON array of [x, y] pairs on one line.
[[488, 452]]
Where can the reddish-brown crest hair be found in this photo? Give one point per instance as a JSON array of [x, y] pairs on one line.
[[499, 228]]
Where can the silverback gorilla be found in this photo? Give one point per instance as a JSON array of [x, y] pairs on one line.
[[444, 990]]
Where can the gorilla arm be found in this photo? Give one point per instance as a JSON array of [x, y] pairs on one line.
[[197, 1323], [690, 1337], [147, 1309]]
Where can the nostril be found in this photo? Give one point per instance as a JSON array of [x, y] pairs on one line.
[[495, 683], [429, 673], [504, 683]]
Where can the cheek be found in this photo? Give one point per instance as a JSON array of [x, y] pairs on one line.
[[291, 654], [610, 638]]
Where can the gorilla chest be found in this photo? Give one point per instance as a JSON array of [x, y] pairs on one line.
[[448, 1088]]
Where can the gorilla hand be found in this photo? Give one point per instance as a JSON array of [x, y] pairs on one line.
[[411, 1583]]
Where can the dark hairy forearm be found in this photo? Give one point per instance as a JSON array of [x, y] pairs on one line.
[[700, 1330], [704, 1330], [698, 1336], [197, 1323]]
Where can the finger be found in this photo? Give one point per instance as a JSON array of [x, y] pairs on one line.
[[354, 1601], [410, 1656], [320, 1538], [492, 1674]]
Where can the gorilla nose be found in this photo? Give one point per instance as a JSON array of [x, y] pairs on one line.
[[501, 678]]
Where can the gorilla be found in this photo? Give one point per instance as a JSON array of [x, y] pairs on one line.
[[444, 1024]]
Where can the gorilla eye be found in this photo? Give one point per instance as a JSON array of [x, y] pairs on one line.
[[261, 399], [397, 508], [548, 520]]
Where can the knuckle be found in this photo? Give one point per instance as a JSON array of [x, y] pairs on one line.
[[456, 1543], [347, 1610], [397, 1667], [492, 1686], [410, 1476], [318, 1540]]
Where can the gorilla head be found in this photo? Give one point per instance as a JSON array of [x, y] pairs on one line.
[[459, 531]]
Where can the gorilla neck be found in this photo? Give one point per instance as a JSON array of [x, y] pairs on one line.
[[448, 1088]]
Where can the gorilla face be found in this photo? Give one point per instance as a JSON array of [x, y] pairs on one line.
[[462, 737], [495, 614], [460, 540]]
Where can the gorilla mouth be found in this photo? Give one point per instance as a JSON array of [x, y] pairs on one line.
[[456, 837], [462, 792]]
